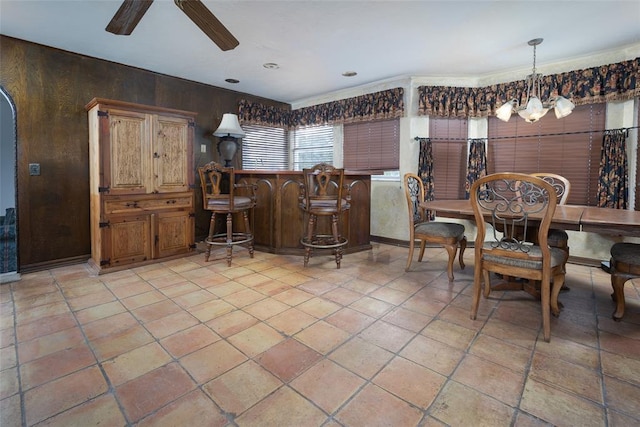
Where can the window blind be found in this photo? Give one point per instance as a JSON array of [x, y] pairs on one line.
[[569, 147], [372, 145], [312, 145], [449, 145], [265, 148]]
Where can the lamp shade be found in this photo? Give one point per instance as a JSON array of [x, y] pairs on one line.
[[563, 107], [229, 126], [504, 112]]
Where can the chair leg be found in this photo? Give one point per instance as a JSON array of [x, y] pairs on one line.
[[451, 250], [336, 238], [412, 244], [487, 283], [558, 283], [617, 282], [423, 245], [477, 287], [247, 228], [311, 225], [463, 246], [229, 238], [546, 307], [212, 229]]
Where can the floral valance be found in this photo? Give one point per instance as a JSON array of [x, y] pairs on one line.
[[387, 104], [613, 82]]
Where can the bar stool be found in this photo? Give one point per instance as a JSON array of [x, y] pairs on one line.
[[624, 266], [323, 194], [213, 178]]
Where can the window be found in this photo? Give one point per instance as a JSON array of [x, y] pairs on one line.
[[372, 145], [569, 147], [449, 145], [265, 148], [312, 145]]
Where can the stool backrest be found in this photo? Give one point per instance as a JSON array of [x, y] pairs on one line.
[[216, 182], [323, 186]]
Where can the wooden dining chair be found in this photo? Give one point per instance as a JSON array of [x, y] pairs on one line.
[[624, 266], [514, 202], [558, 238], [447, 234]]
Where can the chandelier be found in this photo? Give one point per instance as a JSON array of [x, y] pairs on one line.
[[533, 108]]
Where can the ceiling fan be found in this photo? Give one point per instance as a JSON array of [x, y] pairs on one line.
[[131, 11]]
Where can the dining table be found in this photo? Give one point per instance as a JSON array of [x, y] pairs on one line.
[[608, 221]]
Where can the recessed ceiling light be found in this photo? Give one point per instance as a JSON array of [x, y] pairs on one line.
[[271, 66], [349, 73], [234, 81]]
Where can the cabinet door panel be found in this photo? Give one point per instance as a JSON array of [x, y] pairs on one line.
[[129, 238], [171, 154], [174, 233], [128, 160]]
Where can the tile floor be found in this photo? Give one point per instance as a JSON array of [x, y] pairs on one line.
[[267, 342]]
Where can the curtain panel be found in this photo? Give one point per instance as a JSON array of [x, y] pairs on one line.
[[613, 186], [613, 82], [383, 105], [425, 171], [477, 166]]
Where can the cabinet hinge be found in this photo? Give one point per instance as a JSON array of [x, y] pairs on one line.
[[192, 124], [192, 214], [105, 261], [103, 224], [103, 189], [103, 113], [192, 246]]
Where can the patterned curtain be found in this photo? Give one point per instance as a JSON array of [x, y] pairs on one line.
[[477, 167], [383, 105], [425, 170], [613, 82], [613, 184]]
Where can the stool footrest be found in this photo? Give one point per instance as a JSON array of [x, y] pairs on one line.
[[221, 239], [324, 241]]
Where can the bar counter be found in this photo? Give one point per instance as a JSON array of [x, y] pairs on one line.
[[279, 223]]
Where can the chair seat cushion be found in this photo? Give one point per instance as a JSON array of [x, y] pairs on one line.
[[628, 253], [239, 202], [440, 229], [557, 258], [326, 204], [556, 237]]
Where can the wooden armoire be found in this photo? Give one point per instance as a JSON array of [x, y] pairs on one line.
[[141, 179]]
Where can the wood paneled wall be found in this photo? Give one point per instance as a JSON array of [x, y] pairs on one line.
[[50, 88]]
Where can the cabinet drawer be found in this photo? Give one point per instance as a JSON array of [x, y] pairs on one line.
[[120, 205]]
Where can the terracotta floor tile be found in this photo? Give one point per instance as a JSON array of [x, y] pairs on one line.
[[171, 324], [387, 336], [147, 393], [571, 351], [7, 337], [8, 357], [66, 392], [342, 296], [322, 337], [109, 325], [191, 299], [621, 367], [460, 405], [254, 279], [29, 331], [361, 357], [293, 296], [288, 359], [163, 282], [514, 334], [226, 288], [243, 298], [55, 365], [189, 340], [130, 288], [42, 346], [212, 361], [282, 408], [103, 410], [272, 287], [449, 333], [135, 363], [120, 342], [143, 299], [328, 385], [410, 381], [424, 306], [242, 387], [256, 339], [10, 411], [211, 309], [9, 384], [491, 379], [318, 307], [193, 409], [623, 397], [432, 354], [621, 345], [156, 311], [318, 287], [91, 300], [375, 407], [559, 407], [232, 323], [40, 312], [98, 312], [291, 321], [566, 376], [35, 301], [266, 308], [500, 352]]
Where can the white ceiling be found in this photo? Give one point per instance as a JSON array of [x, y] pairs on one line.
[[314, 42]]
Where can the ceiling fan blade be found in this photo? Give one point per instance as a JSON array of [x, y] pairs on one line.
[[128, 16], [208, 23]]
